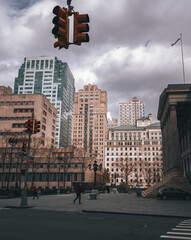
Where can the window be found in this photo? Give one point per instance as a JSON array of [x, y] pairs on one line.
[[37, 64]]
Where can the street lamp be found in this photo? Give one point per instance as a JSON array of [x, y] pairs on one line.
[[95, 168], [115, 176]]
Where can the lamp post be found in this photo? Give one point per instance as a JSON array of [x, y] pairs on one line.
[[115, 176], [95, 167]]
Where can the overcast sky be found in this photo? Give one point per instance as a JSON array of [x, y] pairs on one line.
[[129, 54]]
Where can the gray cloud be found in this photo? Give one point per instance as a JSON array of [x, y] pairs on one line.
[[129, 52]]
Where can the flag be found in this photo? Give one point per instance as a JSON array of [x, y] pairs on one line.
[[175, 42]]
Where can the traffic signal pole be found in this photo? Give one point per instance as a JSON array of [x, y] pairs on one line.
[[32, 126], [24, 200], [69, 5]]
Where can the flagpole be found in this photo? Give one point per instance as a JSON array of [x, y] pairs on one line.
[[182, 58]]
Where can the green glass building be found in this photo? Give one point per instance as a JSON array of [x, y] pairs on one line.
[[53, 78]]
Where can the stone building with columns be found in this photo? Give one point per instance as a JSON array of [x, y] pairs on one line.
[[174, 113]]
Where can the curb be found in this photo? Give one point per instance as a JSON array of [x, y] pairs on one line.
[[140, 214], [20, 207]]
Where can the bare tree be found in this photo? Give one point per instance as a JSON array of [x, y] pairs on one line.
[[4, 156], [84, 156], [50, 160], [103, 178], [35, 151], [84, 160], [66, 162], [124, 167]]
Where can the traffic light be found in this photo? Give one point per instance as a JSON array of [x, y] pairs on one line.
[[12, 141], [37, 126], [29, 126], [24, 147], [61, 28], [81, 28]]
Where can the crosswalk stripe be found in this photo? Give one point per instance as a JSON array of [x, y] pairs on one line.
[[179, 233], [183, 226], [174, 237], [181, 229]]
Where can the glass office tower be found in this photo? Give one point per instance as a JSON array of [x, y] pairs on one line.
[[53, 78]]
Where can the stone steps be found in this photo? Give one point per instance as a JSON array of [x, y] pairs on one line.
[[171, 180]]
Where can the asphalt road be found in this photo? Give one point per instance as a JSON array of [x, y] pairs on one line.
[[31, 224]]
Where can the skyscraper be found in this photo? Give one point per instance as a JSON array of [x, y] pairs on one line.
[[53, 78], [89, 120], [129, 112]]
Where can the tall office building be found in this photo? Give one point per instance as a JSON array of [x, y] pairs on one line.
[[129, 112], [53, 78], [89, 120]]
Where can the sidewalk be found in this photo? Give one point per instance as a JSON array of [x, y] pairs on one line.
[[108, 203]]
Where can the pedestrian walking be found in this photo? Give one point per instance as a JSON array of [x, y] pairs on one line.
[[78, 193], [35, 192]]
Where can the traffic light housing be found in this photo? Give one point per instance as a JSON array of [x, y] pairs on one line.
[[81, 28], [37, 126], [29, 126], [61, 28], [12, 141], [24, 147]]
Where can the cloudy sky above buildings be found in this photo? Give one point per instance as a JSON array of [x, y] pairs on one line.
[[129, 53]]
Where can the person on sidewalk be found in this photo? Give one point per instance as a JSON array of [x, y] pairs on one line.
[[78, 193], [35, 192]]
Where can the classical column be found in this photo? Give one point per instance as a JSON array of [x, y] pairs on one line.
[[166, 163], [173, 140]]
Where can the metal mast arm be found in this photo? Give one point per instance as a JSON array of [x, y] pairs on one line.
[[69, 5]]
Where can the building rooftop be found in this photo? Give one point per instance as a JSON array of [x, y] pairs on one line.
[[135, 128], [178, 86]]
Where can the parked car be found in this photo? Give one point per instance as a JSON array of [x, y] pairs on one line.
[[165, 193]]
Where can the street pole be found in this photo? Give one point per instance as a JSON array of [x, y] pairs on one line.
[[24, 202], [69, 5], [10, 164], [182, 59], [13, 142], [59, 161], [95, 170]]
